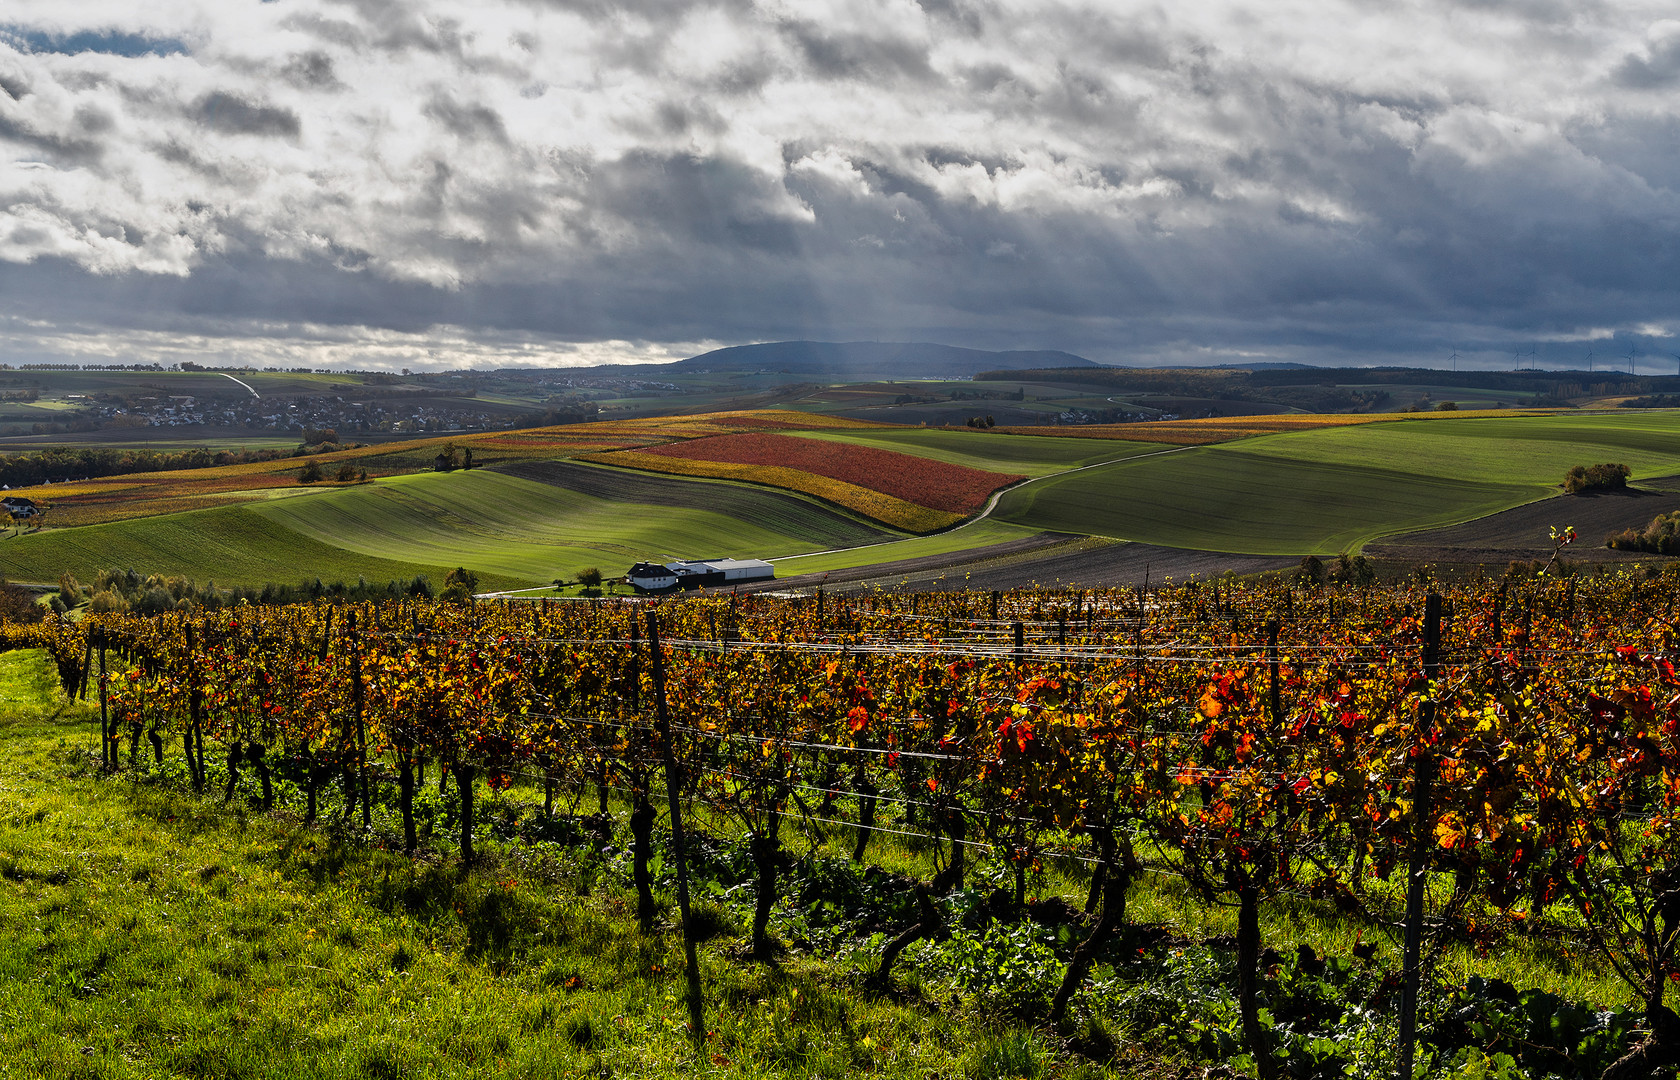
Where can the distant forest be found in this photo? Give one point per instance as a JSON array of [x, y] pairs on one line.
[[1316, 387]]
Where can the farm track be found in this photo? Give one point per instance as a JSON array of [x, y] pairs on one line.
[[1524, 532], [755, 506]]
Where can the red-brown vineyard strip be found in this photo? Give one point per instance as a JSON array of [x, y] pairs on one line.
[[1508, 748]]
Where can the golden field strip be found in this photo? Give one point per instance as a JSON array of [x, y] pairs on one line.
[[871, 504]]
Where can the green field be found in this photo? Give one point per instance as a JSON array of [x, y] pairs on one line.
[[519, 529], [1335, 489], [1209, 500], [1322, 491], [509, 530], [1534, 450], [962, 538], [229, 545]]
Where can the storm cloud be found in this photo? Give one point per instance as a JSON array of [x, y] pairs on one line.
[[1322, 180]]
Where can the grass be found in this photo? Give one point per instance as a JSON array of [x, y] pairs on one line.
[[231, 545], [1529, 450], [1206, 500], [519, 529], [144, 932], [963, 538], [509, 530], [1334, 489]]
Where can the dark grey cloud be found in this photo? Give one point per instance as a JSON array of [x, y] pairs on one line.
[[854, 55], [468, 121], [1199, 182], [311, 70], [233, 114], [1654, 69]]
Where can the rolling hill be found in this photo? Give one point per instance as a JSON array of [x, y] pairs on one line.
[[865, 359]]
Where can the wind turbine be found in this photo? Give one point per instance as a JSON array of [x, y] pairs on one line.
[[1455, 358], [1589, 361], [1632, 358]]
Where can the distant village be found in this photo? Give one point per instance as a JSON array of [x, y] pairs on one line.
[[380, 405], [408, 414]]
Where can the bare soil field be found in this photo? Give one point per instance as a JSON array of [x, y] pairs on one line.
[[1525, 531]]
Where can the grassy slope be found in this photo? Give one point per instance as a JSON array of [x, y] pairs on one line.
[[230, 545], [1529, 450], [516, 528], [1333, 489], [146, 934], [1207, 500], [1028, 455], [511, 531]]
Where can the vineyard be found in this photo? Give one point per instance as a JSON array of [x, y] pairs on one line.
[[1467, 767]]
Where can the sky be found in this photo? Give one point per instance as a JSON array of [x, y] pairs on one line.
[[428, 183]]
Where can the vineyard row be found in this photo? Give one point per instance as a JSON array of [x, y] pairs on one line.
[[1512, 749]]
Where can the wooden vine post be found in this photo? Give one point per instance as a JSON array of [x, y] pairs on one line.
[[696, 1007], [1423, 780], [1272, 628], [104, 709], [357, 698], [192, 740]]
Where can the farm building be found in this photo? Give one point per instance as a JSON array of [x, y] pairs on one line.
[[695, 573], [21, 509]]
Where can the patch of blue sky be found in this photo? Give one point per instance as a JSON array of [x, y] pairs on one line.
[[112, 42]]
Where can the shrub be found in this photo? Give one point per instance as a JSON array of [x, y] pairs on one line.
[[310, 473], [459, 585], [1353, 570], [69, 589], [589, 577], [105, 601], [1661, 537], [1604, 477], [17, 605], [1311, 572]]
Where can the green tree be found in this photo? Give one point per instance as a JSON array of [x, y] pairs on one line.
[[459, 585], [311, 472], [69, 589]]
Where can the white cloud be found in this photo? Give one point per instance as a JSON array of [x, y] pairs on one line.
[[683, 171]]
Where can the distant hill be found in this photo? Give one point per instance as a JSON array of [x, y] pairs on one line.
[[857, 359]]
